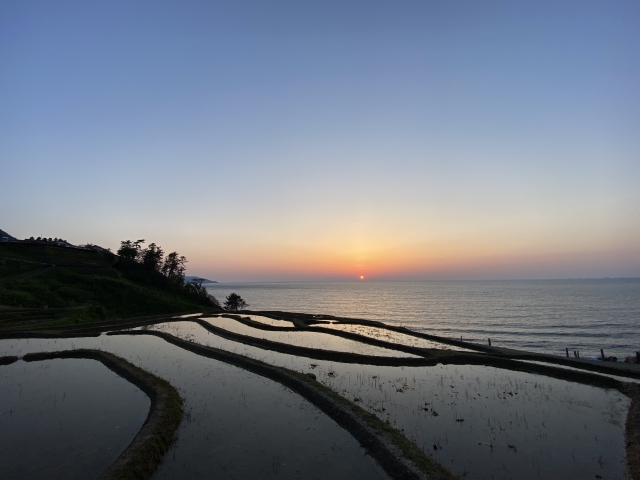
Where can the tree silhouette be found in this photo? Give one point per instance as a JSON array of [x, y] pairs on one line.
[[152, 257], [174, 267], [151, 266], [235, 302], [130, 250], [195, 287]]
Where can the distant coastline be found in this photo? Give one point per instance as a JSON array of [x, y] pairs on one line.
[[189, 278]]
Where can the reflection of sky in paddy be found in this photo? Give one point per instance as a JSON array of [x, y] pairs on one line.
[[306, 339], [70, 418], [558, 429], [511, 424], [566, 367], [268, 321], [236, 424], [188, 315], [390, 336]]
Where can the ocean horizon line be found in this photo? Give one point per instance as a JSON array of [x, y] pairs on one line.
[[383, 280]]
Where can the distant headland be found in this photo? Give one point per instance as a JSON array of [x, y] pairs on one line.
[[189, 278]]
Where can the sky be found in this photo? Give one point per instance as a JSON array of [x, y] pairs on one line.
[[307, 140]]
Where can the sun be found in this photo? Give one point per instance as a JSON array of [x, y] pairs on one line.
[[361, 277]]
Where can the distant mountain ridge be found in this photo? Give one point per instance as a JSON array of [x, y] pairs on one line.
[[188, 278]]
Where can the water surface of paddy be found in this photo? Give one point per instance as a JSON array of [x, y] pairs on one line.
[[236, 424], [574, 369], [481, 422], [306, 339], [484, 422], [65, 418], [267, 321], [390, 336]]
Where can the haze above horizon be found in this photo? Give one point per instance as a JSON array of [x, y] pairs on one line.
[[308, 141]]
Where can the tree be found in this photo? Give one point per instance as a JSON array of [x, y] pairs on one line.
[[235, 302], [195, 288], [130, 250], [152, 257], [174, 267]]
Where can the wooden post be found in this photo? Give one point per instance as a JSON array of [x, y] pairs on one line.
[[567, 350], [602, 354], [575, 354], [460, 337], [489, 342], [578, 353]]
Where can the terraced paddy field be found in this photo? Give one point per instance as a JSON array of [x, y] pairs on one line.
[[389, 336], [65, 418], [264, 320], [288, 398]]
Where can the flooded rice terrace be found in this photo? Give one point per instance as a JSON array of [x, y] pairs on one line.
[[236, 424], [268, 321], [65, 418], [306, 339], [389, 336], [480, 422]]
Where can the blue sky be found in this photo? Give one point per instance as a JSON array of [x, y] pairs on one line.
[[311, 140]]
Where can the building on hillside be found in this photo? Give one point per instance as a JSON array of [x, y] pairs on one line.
[[5, 237]]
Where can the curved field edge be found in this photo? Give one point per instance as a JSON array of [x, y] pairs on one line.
[[632, 434], [412, 452], [143, 455], [397, 455], [422, 352], [302, 320], [305, 319], [436, 356], [632, 430]]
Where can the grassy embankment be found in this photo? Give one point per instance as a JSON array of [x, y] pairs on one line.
[[47, 286]]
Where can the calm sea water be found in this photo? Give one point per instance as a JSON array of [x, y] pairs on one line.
[[535, 315]]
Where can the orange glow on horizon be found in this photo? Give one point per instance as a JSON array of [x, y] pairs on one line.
[[438, 258]]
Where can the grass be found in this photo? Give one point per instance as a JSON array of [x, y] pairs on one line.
[[50, 286], [408, 449], [383, 442], [146, 451], [149, 455], [352, 387]]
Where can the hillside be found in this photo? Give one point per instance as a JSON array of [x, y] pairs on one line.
[[52, 285]]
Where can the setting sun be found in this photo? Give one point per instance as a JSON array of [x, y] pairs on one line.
[[361, 277]]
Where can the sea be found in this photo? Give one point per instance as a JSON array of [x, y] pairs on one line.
[[546, 316]]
